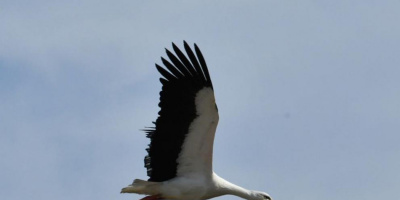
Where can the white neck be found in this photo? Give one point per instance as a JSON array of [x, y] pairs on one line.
[[225, 187]]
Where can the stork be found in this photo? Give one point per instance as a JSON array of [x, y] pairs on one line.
[[179, 160]]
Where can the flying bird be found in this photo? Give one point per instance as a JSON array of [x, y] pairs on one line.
[[179, 160]]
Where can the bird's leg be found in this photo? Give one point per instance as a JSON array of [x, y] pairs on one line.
[[153, 197]]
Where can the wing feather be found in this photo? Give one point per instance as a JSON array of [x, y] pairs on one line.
[[165, 73], [194, 61], [182, 139]]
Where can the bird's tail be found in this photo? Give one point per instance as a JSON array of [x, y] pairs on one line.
[[142, 187]]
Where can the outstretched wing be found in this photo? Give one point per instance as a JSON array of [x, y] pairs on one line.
[[183, 137]]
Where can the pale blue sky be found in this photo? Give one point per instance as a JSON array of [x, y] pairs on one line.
[[308, 94]]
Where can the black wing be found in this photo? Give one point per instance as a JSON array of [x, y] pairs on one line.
[[183, 78]]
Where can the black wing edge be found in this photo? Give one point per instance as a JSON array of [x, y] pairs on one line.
[[181, 66], [183, 77]]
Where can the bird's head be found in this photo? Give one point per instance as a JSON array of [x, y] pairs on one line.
[[261, 196]]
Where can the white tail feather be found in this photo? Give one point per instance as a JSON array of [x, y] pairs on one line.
[[142, 187]]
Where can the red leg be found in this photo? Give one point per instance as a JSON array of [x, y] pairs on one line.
[[154, 197]]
